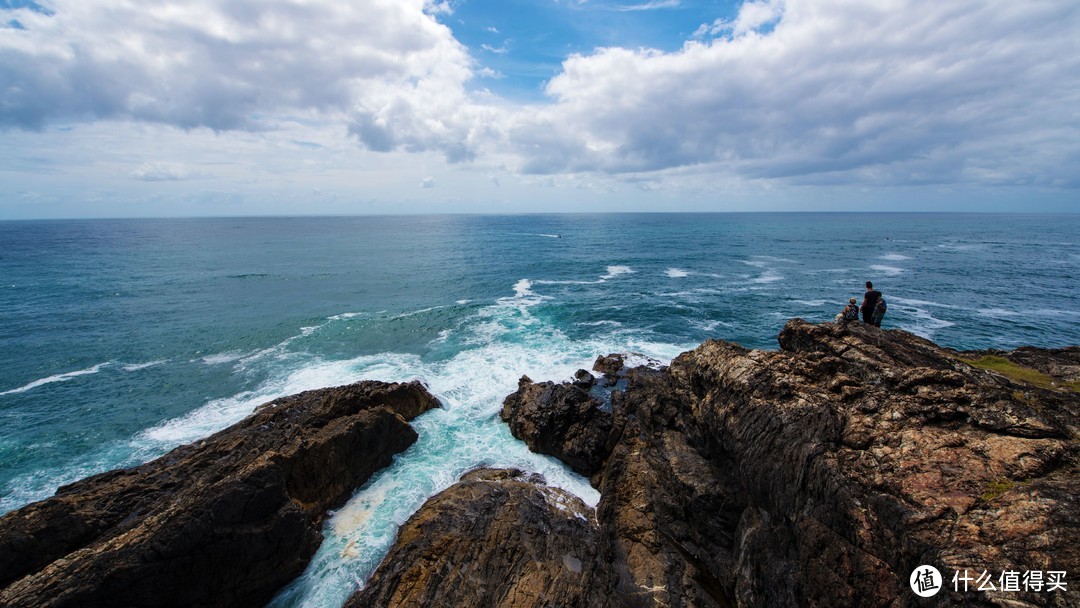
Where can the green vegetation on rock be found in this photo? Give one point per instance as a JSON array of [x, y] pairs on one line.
[[1019, 373]]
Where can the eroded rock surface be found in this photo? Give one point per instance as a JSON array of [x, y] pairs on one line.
[[561, 420], [498, 538], [222, 522], [822, 474]]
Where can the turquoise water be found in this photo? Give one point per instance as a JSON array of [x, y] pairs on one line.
[[121, 339]]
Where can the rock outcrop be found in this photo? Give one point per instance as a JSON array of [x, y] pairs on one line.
[[498, 539], [561, 420], [821, 474], [223, 522]]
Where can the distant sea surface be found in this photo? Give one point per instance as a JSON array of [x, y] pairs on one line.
[[121, 339]]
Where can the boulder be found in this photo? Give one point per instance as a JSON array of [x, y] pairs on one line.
[[562, 420], [225, 521], [609, 365], [497, 538]]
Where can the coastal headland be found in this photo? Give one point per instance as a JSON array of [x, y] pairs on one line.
[[825, 473]]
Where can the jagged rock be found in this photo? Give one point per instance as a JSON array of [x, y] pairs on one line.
[[497, 538], [562, 420], [223, 522], [609, 365], [584, 380], [824, 473]]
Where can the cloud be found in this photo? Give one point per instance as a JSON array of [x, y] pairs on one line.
[[898, 92], [222, 65], [814, 92], [649, 6], [161, 172], [427, 182]]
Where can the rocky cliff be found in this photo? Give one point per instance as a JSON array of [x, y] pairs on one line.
[[821, 474], [223, 522]]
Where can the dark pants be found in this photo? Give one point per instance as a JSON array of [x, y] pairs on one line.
[[867, 314], [876, 319]]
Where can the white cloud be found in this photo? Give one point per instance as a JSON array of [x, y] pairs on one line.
[[161, 172], [844, 90], [427, 182], [817, 93], [755, 14], [650, 6], [209, 63]]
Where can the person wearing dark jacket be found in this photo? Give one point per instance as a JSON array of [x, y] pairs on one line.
[[869, 302]]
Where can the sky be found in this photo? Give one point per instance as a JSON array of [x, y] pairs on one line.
[[127, 108]]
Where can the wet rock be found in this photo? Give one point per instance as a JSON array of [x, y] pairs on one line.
[[822, 474], [562, 420], [609, 365], [223, 522], [497, 538], [584, 380]]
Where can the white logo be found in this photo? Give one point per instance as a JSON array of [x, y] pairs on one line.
[[925, 581]]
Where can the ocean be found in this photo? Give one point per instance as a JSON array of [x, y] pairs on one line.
[[122, 339]]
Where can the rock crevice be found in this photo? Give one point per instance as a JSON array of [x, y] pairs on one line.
[[222, 522], [821, 474]]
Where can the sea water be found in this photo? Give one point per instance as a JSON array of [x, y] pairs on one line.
[[121, 339]]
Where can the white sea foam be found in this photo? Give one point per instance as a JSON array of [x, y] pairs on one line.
[[523, 288], [895, 257], [923, 323], [134, 367], [962, 246], [464, 434], [614, 271], [812, 303], [57, 378], [599, 324], [676, 273], [926, 326], [344, 316], [916, 303], [222, 358], [1050, 312], [890, 271], [501, 342], [998, 312], [709, 325], [413, 313], [769, 276]]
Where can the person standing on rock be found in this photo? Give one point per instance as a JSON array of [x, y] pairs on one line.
[[879, 311], [869, 302]]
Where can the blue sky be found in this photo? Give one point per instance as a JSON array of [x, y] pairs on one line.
[[262, 107], [525, 42]]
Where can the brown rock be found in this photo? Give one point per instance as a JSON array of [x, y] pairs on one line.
[[562, 420], [495, 539], [609, 365], [822, 474], [223, 522]]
